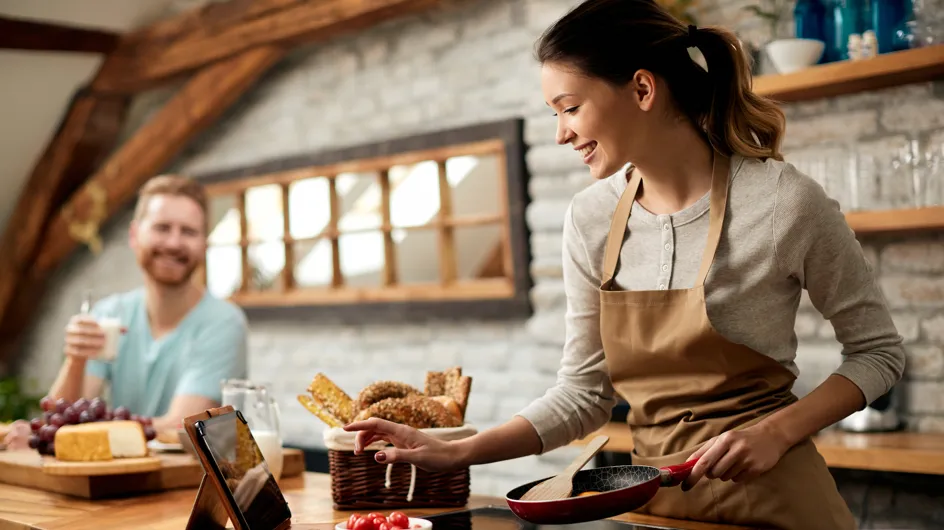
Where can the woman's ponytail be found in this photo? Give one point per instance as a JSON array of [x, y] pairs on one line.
[[737, 121]]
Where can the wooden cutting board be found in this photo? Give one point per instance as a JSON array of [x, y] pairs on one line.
[[176, 470], [118, 466]]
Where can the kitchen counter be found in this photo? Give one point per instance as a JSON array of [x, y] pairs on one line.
[[902, 452], [308, 495]]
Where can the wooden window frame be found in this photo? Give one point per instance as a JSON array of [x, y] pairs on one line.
[[503, 297]]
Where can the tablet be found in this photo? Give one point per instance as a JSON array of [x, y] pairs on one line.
[[240, 473]]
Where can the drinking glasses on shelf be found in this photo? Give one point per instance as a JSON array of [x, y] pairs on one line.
[[927, 24]]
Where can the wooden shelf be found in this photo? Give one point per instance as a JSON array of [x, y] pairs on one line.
[[834, 79], [902, 452], [891, 221]]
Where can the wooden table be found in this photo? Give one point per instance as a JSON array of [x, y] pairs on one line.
[[178, 470], [903, 452], [308, 495]]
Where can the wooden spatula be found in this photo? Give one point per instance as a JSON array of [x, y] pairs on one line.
[[561, 486]]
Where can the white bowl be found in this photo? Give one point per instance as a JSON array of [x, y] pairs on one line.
[[423, 524], [791, 55]]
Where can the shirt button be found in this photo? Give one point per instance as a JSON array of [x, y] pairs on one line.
[[665, 226], [668, 246], [662, 286], [665, 268]]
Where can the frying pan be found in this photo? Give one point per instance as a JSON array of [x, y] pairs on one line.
[[622, 489]]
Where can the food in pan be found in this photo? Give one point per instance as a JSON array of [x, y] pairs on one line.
[[588, 493], [442, 403]]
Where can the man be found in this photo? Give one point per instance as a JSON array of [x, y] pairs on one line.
[[179, 342]]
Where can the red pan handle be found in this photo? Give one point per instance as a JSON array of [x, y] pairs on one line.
[[675, 475]]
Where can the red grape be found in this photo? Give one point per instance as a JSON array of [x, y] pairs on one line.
[[47, 416], [51, 449], [48, 433], [81, 404], [98, 408], [57, 420], [47, 403], [71, 416], [150, 433], [61, 405], [145, 421], [109, 415], [34, 441], [35, 424], [122, 413], [85, 417]]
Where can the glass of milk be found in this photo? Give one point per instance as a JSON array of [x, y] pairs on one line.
[[111, 327], [257, 405]]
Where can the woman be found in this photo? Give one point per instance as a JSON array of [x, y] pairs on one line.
[[683, 274]]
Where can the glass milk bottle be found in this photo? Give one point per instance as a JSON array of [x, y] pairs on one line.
[[262, 415]]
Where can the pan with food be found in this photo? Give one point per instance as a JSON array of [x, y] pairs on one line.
[[599, 493]]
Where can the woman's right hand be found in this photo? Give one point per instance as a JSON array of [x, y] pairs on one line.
[[409, 445], [84, 338]]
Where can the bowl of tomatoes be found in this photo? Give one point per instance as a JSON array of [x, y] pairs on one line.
[[377, 521]]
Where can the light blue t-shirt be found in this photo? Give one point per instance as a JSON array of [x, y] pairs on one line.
[[208, 346]]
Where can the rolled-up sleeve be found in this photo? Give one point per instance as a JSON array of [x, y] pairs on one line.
[[583, 397], [815, 244]]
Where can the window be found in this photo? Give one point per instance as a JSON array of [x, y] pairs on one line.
[[425, 223]]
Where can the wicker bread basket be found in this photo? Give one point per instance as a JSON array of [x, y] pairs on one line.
[[358, 482]]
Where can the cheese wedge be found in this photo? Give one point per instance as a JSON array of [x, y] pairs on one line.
[[100, 441]]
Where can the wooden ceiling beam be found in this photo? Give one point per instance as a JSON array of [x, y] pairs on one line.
[[174, 47], [194, 108], [22, 34], [85, 135], [198, 104]]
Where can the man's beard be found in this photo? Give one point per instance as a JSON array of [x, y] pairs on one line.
[[148, 262]]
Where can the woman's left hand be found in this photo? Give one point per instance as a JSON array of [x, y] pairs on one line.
[[738, 455]]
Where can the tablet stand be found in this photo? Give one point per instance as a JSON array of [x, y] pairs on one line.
[[209, 511]]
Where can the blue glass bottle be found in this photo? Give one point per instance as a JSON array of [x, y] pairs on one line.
[[887, 16], [903, 38], [808, 19], [844, 18]]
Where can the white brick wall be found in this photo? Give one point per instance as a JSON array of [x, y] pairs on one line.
[[465, 63]]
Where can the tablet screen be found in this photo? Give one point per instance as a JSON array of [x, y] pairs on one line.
[[245, 472]]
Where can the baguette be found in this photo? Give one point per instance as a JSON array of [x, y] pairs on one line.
[[332, 398], [317, 408], [419, 412]]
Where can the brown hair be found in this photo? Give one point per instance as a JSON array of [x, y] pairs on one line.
[[613, 39], [170, 185]]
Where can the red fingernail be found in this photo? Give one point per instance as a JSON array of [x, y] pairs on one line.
[[380, 456]]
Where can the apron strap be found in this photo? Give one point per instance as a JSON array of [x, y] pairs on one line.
[[718, 200], [614, 240]]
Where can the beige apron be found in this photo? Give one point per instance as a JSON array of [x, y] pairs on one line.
[[685, 384]]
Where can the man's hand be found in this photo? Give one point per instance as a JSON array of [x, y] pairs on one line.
[[738, 455], [18, 437], [84, 338]]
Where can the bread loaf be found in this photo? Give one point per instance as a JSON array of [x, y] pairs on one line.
[[100, 441]]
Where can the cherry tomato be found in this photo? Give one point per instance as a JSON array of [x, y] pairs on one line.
[[363, 523], [375, 515], [386, 526], [399, 519], [353, 519], [380, 521]]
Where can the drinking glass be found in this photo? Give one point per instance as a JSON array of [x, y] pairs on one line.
[[262, 415]]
